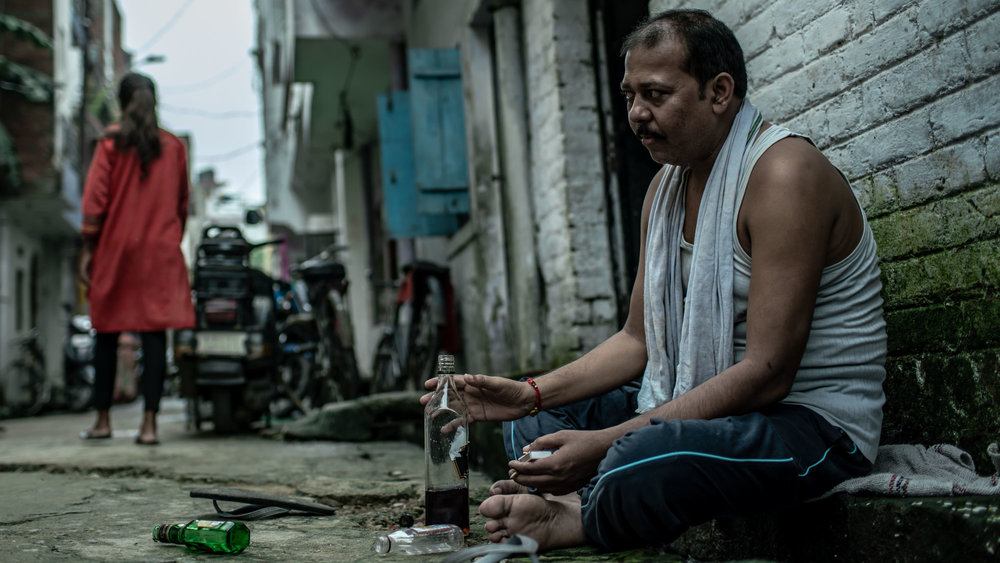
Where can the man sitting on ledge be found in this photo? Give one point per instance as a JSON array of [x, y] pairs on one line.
[[755, 322]]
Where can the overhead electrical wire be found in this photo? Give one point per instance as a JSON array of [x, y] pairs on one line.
[[216, 158], [232, 114], [166, 27], [203, 83]]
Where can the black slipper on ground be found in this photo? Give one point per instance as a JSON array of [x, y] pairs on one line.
[[261, 505], [89, 435], [142, 442]]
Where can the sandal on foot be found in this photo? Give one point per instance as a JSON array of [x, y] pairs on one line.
[[516, 545], [89, 435], [142, 442]]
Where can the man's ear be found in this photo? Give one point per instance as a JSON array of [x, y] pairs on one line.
[[720, 91]]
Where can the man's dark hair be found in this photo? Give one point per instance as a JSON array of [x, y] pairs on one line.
[[711, 46], [139, 127]]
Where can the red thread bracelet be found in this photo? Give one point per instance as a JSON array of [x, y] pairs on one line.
[[538, 397]]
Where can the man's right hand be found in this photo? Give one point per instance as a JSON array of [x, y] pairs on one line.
[[490, 397], [575, 458]]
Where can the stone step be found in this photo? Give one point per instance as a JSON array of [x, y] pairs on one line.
[[856, 528]]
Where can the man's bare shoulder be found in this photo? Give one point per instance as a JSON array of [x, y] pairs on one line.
[[792, 174], [795, 188], [794, 161]]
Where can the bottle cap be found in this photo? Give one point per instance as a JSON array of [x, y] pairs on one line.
[[160, 533], [382, 545], [446, 363]]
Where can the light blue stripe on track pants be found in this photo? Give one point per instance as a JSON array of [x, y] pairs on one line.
[[657, 481]]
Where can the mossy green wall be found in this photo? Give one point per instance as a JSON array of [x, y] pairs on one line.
[[941, 276]]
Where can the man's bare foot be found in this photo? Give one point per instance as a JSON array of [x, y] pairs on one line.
[[508, 487], [553, 522]]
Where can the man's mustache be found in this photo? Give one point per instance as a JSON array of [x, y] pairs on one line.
[[643, 131]]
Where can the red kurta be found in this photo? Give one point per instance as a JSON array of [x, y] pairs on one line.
[[138, 278]]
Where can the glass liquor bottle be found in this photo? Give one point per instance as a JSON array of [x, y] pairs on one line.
[[446, 451], [419, 540], [216, 536]]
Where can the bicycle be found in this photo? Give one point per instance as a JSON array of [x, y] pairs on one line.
[[326, 280], [25, 388], [407, 351]]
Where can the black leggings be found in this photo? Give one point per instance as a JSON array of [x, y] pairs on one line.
[[154, 368]]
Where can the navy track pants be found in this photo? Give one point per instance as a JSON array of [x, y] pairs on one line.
[[657, 481]]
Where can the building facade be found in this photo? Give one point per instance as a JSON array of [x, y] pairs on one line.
[[53, 141], [542, 251]]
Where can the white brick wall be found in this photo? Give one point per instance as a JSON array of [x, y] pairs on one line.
[[567, 177], [900, 94]]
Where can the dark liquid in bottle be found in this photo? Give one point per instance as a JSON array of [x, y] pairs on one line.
[[448, 506]]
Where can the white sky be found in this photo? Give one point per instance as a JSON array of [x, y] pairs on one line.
[[205, 87]]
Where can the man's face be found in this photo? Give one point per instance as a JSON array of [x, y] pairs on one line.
[[665, 107]]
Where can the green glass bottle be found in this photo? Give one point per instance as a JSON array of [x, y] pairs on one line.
[[216, 536]]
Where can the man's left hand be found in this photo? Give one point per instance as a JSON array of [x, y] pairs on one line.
[[571, 466]]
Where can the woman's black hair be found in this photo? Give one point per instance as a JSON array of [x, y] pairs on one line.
[[139, 127], [711, 46]]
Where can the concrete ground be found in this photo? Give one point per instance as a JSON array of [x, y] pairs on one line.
[[62, 498]]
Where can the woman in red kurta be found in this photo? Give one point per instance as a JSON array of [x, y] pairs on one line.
[[134, 210]]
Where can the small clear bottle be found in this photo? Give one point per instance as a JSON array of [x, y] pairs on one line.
[[215, 536], [418, 540], [446, 451]]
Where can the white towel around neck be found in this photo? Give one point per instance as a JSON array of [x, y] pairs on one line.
[[689, 343]]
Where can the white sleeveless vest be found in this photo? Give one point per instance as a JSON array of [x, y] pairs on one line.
[[841, 373]]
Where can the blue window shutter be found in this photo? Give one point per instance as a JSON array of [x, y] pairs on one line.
[[441, 166], [398, 186]]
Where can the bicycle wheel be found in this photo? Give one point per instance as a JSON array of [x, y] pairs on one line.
[[343, 366], [423, 347], [387, 374], [26, 390], [297, 386]]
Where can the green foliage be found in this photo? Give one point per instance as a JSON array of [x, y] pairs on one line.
[[24, 31], [34, 85], [15, 77]]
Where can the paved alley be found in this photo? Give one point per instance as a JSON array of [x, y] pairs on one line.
[[63, 498]]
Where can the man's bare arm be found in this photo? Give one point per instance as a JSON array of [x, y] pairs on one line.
[[617, 360], [794, 200]]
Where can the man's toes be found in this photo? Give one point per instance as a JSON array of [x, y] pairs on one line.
[[507, 487], [493, 526], [495, 507]]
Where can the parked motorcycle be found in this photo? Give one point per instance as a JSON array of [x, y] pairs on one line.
[[326, 280], [78, 361], [231, 358], [298, 338]]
